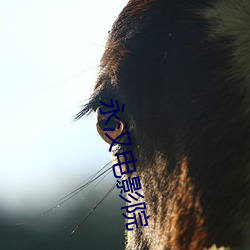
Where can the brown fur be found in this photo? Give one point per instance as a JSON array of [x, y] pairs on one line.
[[186, 103]]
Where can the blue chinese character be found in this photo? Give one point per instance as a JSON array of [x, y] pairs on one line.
[[129, 185], [133, 208], [115, 141], [124, 163], [135, 220], [111, 112], [130, 195]]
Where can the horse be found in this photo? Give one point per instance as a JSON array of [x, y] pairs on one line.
[[182, 69]]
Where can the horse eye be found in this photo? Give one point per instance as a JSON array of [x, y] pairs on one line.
[[118, 127]]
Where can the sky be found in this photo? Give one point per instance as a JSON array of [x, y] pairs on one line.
[[49, 57]]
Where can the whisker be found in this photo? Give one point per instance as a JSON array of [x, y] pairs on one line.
[[95, 44], [99, 181], [74, 192], [89, 192], [79, 189], [107, 47], [82, 221], [89, 61], [68, 79], [89, 180]]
